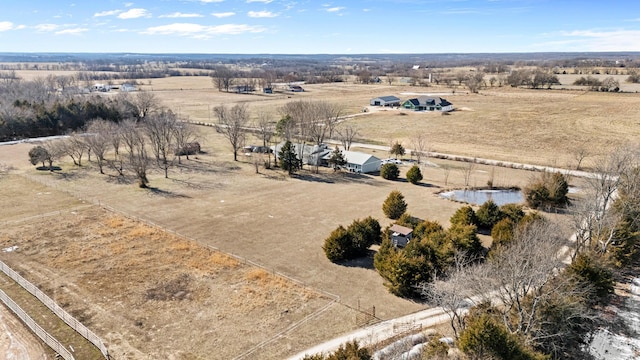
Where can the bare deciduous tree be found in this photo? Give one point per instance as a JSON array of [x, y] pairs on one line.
[[222, 78], [266, 128], [161, 131], [232, 124], [419, 144], [185, 134], [467, 170], [134, 140], [579, 154], [98, 139], [347, 134], [592, 219], [75, 147]]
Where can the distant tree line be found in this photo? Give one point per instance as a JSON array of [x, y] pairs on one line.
[[32, 109]]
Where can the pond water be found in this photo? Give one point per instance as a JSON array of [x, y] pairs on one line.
[[479, 197]]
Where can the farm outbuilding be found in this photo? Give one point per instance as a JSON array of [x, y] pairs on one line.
[[400, 235], [425, 103], [361, 162], [385, 101]]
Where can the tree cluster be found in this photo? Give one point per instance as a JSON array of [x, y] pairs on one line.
[[548, 191], [352, 242], [160, 139], [429, 253]]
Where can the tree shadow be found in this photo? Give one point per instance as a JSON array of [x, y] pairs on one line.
[[46, 168], [166, 194], [313, 178], [338, 177], [365, 262]]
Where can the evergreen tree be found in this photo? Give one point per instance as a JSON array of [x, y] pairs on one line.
[[338, 245], [414, 175], [488, 215], [464, 216], [389, 171], [394, 206], [288, 159], [337, 159], [397, 149]]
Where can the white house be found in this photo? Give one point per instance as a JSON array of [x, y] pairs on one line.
[[425, 103], [361, 162], [127, 87], [101, 87]]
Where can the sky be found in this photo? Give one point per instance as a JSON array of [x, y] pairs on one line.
[[319, 27]]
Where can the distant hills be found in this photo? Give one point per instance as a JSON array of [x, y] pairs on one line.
[[456, 58]]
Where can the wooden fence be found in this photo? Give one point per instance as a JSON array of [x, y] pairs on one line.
[[37, 329], [56, 309]]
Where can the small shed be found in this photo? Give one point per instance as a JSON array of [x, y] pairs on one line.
[[385, 101], [361, 162], [425, 103], [400, 235]]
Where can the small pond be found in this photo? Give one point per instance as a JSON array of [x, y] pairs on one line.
[[479, 197]]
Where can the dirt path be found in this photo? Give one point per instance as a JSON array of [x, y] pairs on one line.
[[17, 342]]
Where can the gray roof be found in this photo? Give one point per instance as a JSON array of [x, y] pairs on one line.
[[388, 98], [401, 229], [358, 158], [432, 101]]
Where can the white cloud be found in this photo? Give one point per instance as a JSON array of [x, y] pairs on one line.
[[211, 1], [261, 14], [74, 31], [259, 1], [202, 31], [181, 15], [107, 13], [46, 27], [335, 9], [129, 4], [223, 14], [598, 40], [6, 25], [134, 14]]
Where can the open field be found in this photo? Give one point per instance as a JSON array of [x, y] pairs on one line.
[[120, 275], [276, 221], [532, 126]]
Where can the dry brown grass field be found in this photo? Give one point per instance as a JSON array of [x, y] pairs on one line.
[[268, 218]]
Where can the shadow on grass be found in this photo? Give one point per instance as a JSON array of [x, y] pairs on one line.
[[46, 168], [167, 194], [365, 262], [338, 177]]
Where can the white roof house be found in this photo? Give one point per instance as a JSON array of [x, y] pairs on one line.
[[361, 162]]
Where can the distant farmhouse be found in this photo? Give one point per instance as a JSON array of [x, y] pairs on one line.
[[127, 87], [421, 103], [244, 89], [425, 103], [319, 155], [385, 101]]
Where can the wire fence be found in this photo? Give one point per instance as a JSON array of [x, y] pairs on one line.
[[51, 341], [56, 309]]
